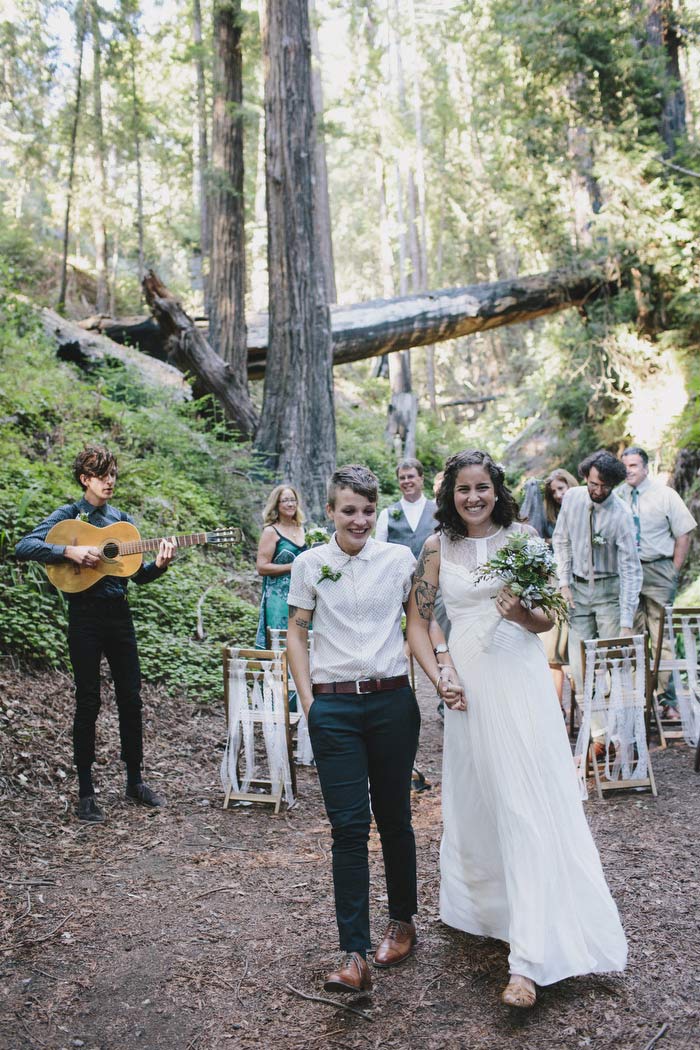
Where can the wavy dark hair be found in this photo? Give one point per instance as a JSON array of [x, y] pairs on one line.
[[95, 461], [505, 512]]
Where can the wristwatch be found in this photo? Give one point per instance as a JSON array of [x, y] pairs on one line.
[[442, 648]]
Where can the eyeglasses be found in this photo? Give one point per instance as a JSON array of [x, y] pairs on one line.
[[288, 501]]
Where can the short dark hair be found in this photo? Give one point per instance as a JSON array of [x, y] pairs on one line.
[[611, 470], [410, 464], [357, 478], [505, 511], [95, 461], [635, 450]]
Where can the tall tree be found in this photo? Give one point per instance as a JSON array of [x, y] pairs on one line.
[[99, 165], [80, 25], [297, 427], [202, 161], [227, 325], [322, 201]]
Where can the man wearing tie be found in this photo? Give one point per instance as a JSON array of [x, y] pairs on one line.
[[600, 574], [663, 526]]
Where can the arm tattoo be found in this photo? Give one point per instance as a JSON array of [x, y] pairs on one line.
[[302, 623], [292, 610], [422, 563], [425, 599]]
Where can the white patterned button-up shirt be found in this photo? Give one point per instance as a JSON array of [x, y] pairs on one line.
[[356, 618]]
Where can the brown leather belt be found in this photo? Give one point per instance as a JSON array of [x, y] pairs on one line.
[[364, 685]]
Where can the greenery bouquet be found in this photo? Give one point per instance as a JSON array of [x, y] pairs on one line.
[[525, 564]]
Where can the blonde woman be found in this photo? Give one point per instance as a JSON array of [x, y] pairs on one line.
[[281, 541]]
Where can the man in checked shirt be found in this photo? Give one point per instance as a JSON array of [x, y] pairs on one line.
[[362, 714]]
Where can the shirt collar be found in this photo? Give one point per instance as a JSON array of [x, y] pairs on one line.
[[86, 507], [644, 485], [364, 555], [416, 503]]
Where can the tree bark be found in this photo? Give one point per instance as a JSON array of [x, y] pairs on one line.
[[296, 436], [189, 350], [202, 164], [227, 280], [321, 197], [80, 39], [99, 199], [662, 34]]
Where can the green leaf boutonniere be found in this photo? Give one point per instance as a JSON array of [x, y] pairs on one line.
[[599, 539], [395, 513], [328, 574]]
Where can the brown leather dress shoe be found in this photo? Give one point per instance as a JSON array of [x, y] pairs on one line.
[[397, 944], [351, 976]]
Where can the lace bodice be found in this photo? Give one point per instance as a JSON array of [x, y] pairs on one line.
[[470, 553]]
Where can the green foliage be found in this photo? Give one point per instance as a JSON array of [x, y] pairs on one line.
[[174, 477]]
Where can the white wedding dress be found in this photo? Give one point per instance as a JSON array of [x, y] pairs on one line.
[[517, 858]]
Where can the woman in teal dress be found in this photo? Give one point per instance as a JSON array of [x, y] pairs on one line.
[[281, 541]]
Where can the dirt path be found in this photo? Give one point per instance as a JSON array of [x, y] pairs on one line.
[[186, 929]]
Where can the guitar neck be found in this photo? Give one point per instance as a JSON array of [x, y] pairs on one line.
[[192, 539]]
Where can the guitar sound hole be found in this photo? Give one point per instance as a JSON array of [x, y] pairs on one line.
[[110, 550]]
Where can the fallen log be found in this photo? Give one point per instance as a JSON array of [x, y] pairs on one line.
[[383, 326]]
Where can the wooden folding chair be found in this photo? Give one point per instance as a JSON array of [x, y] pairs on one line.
[[680, 628], [599, 656], [255, 663]]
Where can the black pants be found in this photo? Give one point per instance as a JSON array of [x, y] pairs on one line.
[[97, 627], [355, 739]]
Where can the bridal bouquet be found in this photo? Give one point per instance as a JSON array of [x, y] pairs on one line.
[[526, 566], [315, 535]]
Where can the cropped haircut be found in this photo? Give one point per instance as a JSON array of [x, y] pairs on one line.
[[551, 506], [271, 510], [410, 464], [358, 479], [611, 470], [505, 511], [95, 461], [635, 450]]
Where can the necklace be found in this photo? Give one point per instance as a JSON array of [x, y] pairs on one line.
[[486, 535]]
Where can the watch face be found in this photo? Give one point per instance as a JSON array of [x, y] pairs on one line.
[[440, 649]]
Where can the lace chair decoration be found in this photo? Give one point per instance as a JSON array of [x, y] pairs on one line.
[[615, 695], [277, 640], [256, 697], [680, 628]]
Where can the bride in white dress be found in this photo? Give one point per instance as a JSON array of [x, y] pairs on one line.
[[517, 859]]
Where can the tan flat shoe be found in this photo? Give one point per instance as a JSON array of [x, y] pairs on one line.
[[519, 992]]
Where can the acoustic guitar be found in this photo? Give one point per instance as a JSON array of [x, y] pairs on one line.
[[121, 550]]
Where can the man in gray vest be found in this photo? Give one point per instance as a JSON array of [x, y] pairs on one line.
[[410, 520]]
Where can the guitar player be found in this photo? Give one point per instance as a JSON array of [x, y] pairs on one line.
[[99, 622]]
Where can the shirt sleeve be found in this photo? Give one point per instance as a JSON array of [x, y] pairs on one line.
[[33, 547], [381, 531], [630, 569], [561, 544], [680, 519], [410, 568], [302, 594]]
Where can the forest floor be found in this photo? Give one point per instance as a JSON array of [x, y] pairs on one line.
[[195, 928]]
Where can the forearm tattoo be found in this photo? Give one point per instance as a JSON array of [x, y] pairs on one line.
[[302, 623]]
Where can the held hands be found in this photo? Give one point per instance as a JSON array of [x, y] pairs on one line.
[[449, 688], [166, 553]]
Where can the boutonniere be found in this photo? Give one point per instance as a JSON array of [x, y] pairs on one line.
[[328, 574], [599, 539], [82, 516], [395, 513]]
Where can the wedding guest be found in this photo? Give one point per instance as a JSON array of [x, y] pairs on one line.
[[517, 859], [410, 520], [362, 715], [100, 624], [556, 641], [556, 485], [532, 506], [281, 541], [599, 569], [663, 526]]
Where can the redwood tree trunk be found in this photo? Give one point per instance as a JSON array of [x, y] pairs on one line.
[[99, 199], [227, 328], [297, 429], [80, 35], [202, 147]]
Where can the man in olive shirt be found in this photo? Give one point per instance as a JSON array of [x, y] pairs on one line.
[[663, 526]]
